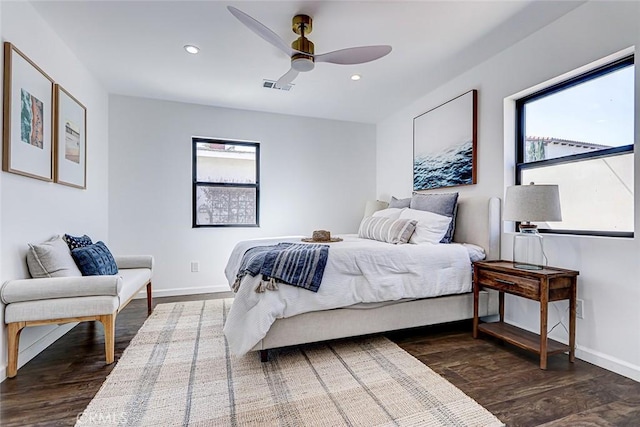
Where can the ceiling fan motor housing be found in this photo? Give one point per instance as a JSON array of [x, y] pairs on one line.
[[300, 61], [302, 25]]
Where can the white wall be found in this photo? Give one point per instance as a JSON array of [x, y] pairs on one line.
[[33, 210], [609, 268], [314, 174]]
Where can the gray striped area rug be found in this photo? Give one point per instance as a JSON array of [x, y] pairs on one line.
[[177, 371]]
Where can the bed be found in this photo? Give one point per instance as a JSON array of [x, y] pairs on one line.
[[263, 321]]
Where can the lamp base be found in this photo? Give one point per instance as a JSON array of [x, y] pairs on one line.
[[527, 266], [528, 253]]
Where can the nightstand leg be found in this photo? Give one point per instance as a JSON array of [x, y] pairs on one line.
[[476, 320], [476, 297], [572, 320], [501, 305], [544, 315]]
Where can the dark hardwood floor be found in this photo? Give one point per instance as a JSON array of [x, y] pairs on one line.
[[54, 387]]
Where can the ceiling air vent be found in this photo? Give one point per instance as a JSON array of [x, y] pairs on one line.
[[271, 84]]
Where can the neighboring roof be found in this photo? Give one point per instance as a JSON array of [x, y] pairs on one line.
[[567, 142]]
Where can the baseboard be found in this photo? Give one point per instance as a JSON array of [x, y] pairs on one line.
[[597, 358], [38, 346], [609, 363], [185, 291]]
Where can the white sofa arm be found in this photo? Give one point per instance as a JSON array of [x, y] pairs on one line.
[[59, 287], [134, 261]]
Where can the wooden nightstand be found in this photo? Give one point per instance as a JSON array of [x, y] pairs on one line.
[[548, 284]]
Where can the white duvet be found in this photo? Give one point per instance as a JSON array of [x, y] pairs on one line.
[[357, 271]]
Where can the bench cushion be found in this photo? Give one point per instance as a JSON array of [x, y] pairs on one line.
[[61, 308], [133, 279]]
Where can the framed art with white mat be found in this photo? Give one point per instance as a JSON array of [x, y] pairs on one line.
[[28, 117], [70, 153]]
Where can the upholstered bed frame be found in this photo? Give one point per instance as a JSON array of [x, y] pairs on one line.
[[478, 222]]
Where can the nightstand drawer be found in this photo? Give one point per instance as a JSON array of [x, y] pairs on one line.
[[528, 288]]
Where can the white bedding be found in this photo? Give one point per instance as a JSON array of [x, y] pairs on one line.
[[357, 271]]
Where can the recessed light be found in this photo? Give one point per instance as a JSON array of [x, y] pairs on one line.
[[192, 49], [356, 77]]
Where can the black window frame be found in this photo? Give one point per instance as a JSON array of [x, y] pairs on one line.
[[195, 183], [521, 136]]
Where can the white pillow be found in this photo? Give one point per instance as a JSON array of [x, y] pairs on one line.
[[431, 227], [476, 253], [392, 213]]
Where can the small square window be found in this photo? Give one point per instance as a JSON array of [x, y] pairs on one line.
[[225, 183]]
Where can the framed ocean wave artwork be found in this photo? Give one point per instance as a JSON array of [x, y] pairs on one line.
[[28, 117], [445, 143]]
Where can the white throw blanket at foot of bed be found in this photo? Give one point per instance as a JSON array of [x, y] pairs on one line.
[[357, 271]]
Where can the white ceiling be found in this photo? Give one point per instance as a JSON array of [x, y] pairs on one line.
[[136, 48]]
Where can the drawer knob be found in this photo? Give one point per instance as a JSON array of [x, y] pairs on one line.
[[505, 282]]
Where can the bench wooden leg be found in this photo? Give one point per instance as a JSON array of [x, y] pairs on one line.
[[149, 299], [13, 338], [109, 323]]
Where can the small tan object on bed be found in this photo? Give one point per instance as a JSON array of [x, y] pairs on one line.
[[322, 236]]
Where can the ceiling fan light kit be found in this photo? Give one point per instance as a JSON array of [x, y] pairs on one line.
[[302, 51]]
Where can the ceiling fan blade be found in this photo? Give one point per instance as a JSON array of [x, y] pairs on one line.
[[261, 30], [287, 78], [354, 55]]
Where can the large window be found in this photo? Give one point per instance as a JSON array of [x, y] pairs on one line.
[[579, 134], [226, 190]]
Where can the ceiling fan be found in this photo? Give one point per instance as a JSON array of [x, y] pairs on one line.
[[301, 52]]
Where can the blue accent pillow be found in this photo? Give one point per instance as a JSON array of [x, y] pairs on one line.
[[77, 242], [95, 260]]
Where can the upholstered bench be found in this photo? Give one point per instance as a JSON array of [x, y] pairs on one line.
[[58, 300]]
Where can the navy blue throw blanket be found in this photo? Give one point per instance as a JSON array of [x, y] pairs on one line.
[[295, 264]]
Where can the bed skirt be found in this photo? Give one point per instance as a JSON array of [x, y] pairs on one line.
[[349, 322]]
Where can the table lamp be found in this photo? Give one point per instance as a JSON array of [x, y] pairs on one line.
[[374, 205], [526, 203]]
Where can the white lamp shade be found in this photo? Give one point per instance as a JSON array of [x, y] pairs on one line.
[[532, 203], [373, 206]]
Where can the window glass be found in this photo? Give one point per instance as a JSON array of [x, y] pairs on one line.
[[595, 195], [594, 115], [225, 205], [226, 163]]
